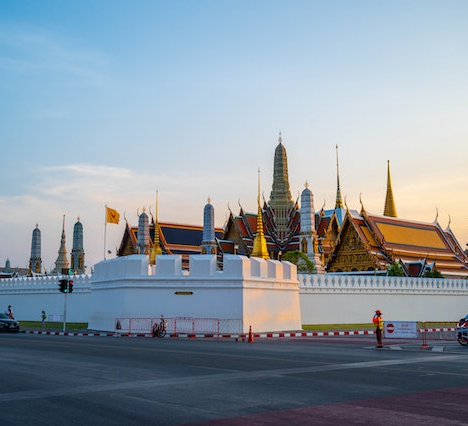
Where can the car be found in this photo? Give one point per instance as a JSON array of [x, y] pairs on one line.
[[8, 324]]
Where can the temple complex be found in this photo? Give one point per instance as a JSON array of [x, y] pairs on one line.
[[335, 240]]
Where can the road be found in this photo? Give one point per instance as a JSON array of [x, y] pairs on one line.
[[75, 380]]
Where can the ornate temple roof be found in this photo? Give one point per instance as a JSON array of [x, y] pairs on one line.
[[174, 238], [390, 239]]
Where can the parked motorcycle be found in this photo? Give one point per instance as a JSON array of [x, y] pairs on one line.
[[462, 331]]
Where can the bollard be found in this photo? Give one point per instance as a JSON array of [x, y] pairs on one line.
[[424, 338], [251, 339]]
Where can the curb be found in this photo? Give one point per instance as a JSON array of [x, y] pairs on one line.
[[207, 335]]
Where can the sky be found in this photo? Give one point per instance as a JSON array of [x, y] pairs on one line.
[[107, 102]]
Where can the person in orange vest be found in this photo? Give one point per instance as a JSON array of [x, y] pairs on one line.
[[379, 325]]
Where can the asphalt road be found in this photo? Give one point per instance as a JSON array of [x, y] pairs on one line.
[[68, 380]]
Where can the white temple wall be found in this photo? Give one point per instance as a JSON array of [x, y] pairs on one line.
[[29, 296], [267, 295], [334, 299], [252, 292]]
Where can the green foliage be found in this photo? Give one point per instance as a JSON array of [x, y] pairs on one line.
[[433, 274], [395, 270], [303, 263]]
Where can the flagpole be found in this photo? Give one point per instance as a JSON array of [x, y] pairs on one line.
[[105, 229]]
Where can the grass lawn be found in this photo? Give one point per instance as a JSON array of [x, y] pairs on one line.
[[54, 325], [337, 327]]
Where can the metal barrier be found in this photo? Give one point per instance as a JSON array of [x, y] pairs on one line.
[[179, 325], [437, 331]]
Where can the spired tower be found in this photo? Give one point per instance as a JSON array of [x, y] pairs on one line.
[[208, 244], [281, 201], [389, 209], [339, 200], [260, 246], [143, 234], [77, 254], [308, 236], [156, 249], [61, 263], [35, 261]]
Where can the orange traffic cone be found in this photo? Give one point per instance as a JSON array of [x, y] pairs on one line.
[[251, 339]]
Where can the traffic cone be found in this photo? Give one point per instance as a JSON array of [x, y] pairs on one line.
[[251, 339]]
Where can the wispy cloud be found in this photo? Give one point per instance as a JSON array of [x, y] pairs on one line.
[[32, 50]]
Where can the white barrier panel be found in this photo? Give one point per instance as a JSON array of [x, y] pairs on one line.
[[401, 330]]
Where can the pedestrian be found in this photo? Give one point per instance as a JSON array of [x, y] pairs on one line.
[[379, 325], [43, 317], [9, 312]]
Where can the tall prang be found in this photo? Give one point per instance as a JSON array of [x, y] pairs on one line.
[[143, 244], [281, 201], [35, 261], [61, 264], [308, 237], [77, 254], [208, 244]]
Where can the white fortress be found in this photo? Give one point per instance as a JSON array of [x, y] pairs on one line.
[[266, 295]]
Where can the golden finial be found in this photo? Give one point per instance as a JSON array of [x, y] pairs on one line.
[[339, 202], [260, 247], [156, 249], [389, 209]]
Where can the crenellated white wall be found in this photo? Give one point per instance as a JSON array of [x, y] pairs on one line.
[[260, 293], [265, 294], [335, 299], [29, 296]]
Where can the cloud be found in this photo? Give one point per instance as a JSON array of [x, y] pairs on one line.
[[29, 50]]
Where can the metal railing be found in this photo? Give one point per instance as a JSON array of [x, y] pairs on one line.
[[431, 331], [179, 325]]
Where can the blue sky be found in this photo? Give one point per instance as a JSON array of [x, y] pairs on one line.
[[106, 102]]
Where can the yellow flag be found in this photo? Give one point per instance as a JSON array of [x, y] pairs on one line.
[[112, 216]]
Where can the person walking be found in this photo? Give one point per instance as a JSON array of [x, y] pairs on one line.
[[43, 317], [9, 312], [379, 325]]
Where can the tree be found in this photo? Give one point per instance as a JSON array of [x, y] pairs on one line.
[[395, 270], [303, 263], [433, 274]]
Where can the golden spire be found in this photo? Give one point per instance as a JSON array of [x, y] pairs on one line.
[[339, 201], [260, 246], [156, 249], [389, 209]]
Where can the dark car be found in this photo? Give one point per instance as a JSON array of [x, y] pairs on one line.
[[8, 324]]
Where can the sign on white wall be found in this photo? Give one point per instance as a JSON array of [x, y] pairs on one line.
[[401, 329]]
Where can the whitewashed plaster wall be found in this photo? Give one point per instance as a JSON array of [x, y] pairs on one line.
[[260, 293], [29, 296], [335, 299]]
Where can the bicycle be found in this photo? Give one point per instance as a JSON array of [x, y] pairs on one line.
[[159, 330]]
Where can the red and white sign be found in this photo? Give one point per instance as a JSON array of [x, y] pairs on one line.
[[401, 330]]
